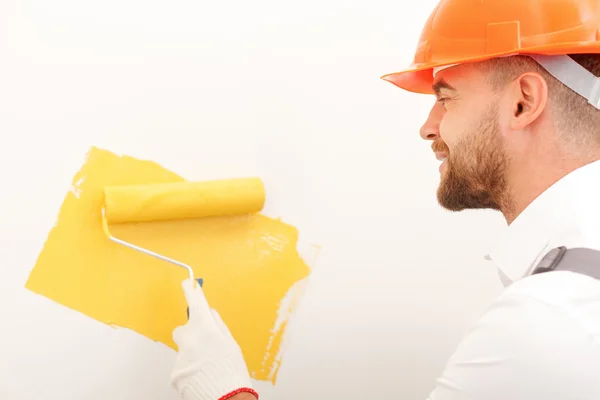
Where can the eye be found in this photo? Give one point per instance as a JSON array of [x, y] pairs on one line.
[[443, 101]]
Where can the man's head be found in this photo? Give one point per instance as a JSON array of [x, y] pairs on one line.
[[515, 112], [508, 129]]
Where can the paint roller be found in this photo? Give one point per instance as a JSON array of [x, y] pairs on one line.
[[179, 200]]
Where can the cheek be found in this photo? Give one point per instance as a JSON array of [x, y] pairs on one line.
[[458, 124], [449, 130]]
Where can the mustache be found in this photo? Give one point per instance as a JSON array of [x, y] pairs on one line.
[[439, 146]]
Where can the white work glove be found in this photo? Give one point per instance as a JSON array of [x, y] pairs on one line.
[[210, 364]]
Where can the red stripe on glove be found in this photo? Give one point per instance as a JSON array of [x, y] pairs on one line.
[[238, 391]]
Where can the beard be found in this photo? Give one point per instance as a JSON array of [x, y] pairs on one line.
[[475, 173]]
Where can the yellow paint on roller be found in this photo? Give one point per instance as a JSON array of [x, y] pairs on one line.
[[248, 263], [176, 200]]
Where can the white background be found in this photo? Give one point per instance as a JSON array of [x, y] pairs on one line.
[[288, 91]]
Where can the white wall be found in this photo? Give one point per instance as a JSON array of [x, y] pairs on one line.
[[286, 90]]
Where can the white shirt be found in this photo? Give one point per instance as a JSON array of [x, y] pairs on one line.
[[540, 340]]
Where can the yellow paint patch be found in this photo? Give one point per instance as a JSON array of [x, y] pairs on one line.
[[248, 264]]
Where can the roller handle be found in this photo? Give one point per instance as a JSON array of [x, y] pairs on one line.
[[200, 282]]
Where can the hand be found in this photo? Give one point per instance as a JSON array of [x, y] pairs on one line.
[[210, 364]]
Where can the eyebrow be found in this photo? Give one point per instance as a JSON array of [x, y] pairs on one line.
[[442, 84]]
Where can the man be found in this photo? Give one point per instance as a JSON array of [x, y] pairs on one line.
[[517, 125]]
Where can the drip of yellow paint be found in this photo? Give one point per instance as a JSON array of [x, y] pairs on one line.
[[248, 264]]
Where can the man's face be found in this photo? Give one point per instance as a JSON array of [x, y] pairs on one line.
[[464, 127]]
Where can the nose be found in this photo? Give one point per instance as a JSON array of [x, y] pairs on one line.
[[430, 130]]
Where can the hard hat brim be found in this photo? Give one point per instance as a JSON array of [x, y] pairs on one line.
[[418, 78]]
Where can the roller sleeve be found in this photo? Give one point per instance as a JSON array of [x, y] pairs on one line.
[[183, 200]]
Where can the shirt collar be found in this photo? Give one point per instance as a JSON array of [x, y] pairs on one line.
[[570, 202]]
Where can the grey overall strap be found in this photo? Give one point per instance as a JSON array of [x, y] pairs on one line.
[[581, 260]]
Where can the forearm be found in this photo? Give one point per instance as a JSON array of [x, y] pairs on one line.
[[243, 396]]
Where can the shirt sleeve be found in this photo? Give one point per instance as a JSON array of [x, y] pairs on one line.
[[522, 348]]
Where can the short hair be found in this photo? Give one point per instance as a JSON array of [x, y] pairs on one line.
[[577, 120]]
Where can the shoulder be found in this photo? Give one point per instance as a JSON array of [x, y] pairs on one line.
[[567, 297], [557, 309], [529, 343], [546, 309]]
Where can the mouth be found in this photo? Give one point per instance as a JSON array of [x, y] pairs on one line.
[[441, 157]]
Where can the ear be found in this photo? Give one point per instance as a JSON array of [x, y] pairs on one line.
[[529, 99]]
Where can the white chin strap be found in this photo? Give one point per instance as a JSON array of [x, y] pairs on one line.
[[572, 75], [567, 71], [438, 69]]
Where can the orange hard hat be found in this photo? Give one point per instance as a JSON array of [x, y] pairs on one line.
[[462, 31]]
